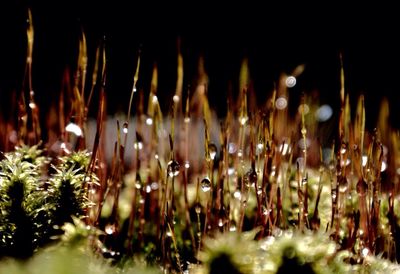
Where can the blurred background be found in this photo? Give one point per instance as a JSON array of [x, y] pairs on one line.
[[275, 39]]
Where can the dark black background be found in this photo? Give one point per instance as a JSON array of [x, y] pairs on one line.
[[275, 38]]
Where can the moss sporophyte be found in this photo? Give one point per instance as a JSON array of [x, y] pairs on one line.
[[261, 190]]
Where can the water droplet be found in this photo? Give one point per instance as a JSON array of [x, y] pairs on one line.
[[110, 229], [149, 121], [148, 189], [237, 194], [186, 119], [281, 103], [212, 150], [240, 153], [250, 178], [365, 252], [138, 145], [383, 166], [175, 98], [154, 185], [304, 131], [290, 81], [141, 201], [205, 184], [74, 128], [232, 228], [155, 99], [364, 160], [243, 119], [125, 128], [169, 234], [284, 148], [187, 164], [220, 222], [333, 194], [173, 168], [232, 147], [343, 184], [32, 105]]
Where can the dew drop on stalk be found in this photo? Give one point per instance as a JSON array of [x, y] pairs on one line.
[[220, 222], [154, 185], [110, 229], [173, 168], [232, 147], [197, 208], [125, 128], [138, 145], [205, 184], [149, 121], [187, 164], [250, 178], [212, 150], [237, 194], [74, 129]]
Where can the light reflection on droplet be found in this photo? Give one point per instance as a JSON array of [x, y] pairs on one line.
[[343, 163], [284, 148], [155, 99], [243, 120], [149, 121], [365, 252], [74, 128], [232, 148], [237, 194], [138, 145], [187, 164], [281, 103], [364, 160], [175, 98], [148, 189], [65, 148], [240, 153], [290, 81], [383, 166], [186, 119], [32, 105], [212, 150], [125, 128], [110, 229]]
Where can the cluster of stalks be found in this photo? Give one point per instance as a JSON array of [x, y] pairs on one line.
[[192, 176]]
